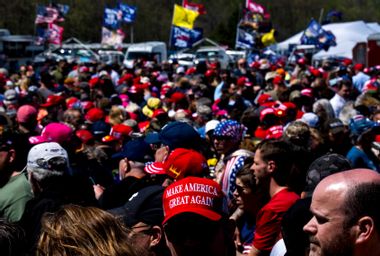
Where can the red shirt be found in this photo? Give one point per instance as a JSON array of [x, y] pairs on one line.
[[268, 220]]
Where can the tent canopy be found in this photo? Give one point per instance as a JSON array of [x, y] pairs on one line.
[[347, 35]]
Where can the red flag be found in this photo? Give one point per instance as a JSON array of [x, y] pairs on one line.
[[55, 34], [255, 7], [200, 8]]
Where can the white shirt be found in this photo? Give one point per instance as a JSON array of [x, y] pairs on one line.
[[337, 102]]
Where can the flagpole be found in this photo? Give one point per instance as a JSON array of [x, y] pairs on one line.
[[131, 33], [321, 15], [171, 30]]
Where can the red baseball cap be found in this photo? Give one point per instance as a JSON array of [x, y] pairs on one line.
[[180, 163], [244, 81], [52, 100], [118, 132], [177, 96], [275, 132], [265, 112], [94, 114], [84, 135], [194, 195], [264, 98]]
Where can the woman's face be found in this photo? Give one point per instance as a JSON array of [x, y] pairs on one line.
[[243, 195]]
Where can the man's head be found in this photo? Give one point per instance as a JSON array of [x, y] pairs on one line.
[[273, 159], [143, 216], [227, 136], [344, 88], [196, 220], [346, 214], [46, 161], [7, 158]]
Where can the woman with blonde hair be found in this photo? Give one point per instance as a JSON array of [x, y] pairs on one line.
[[77, 230]]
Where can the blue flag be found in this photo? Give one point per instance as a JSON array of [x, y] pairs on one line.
[[244, 40], [314, 34], [185, 38], [129, 12], [112, 18]]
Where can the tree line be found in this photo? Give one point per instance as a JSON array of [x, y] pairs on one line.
[[154, 17]]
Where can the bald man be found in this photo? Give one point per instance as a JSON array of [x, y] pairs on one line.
[[346, 215]]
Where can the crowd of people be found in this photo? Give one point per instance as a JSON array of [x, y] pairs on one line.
[[271, 157]]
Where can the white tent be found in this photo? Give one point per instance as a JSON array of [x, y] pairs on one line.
[[347, 35]]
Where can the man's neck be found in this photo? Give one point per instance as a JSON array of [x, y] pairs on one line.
[[274, 188]]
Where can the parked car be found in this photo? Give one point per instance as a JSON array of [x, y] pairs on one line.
[[213, 54], [153, 50], [183, 59], [110, 57]]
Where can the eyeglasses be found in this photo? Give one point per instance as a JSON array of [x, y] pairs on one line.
[[240, 189]]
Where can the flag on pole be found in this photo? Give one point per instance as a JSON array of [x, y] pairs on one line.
[[314, 34], [185, 38], [112, 37], [55, 33], [62, 11], [128, 12], [200, 8], [244, 40], [46, 14], [255, 7], [183, 17], [268, 38], [112, 18]]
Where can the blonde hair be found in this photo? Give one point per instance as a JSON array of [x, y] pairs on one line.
[[77, 230], [117, 115]]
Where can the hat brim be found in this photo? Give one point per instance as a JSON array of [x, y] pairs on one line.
[[37, 140], [152, 138], [155, 168], [209, 214]]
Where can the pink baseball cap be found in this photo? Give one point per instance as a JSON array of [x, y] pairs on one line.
[[53, 132], [195, 195]]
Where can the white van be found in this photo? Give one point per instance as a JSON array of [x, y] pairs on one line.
[[153, 50]]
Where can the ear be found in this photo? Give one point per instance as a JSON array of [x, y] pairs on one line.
[[365, 228], [271, 166], [156, 235], [12, 155]]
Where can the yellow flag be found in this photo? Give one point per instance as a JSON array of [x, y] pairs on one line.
[[183, 17], [268, 38]]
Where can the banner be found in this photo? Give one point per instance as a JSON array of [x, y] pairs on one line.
[[314, 34], [112, 18], [112, 38], [199, 8], [244, 40], [46, 14], [185, 38], [128, 12], [183, 17], [255, 7], [54, 34]]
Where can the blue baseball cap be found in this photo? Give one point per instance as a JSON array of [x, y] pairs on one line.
[[176, 135], [136, 150]]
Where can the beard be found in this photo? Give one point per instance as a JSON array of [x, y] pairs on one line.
[[340, 245]]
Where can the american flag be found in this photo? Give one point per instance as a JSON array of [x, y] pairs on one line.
[[46, 14]]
